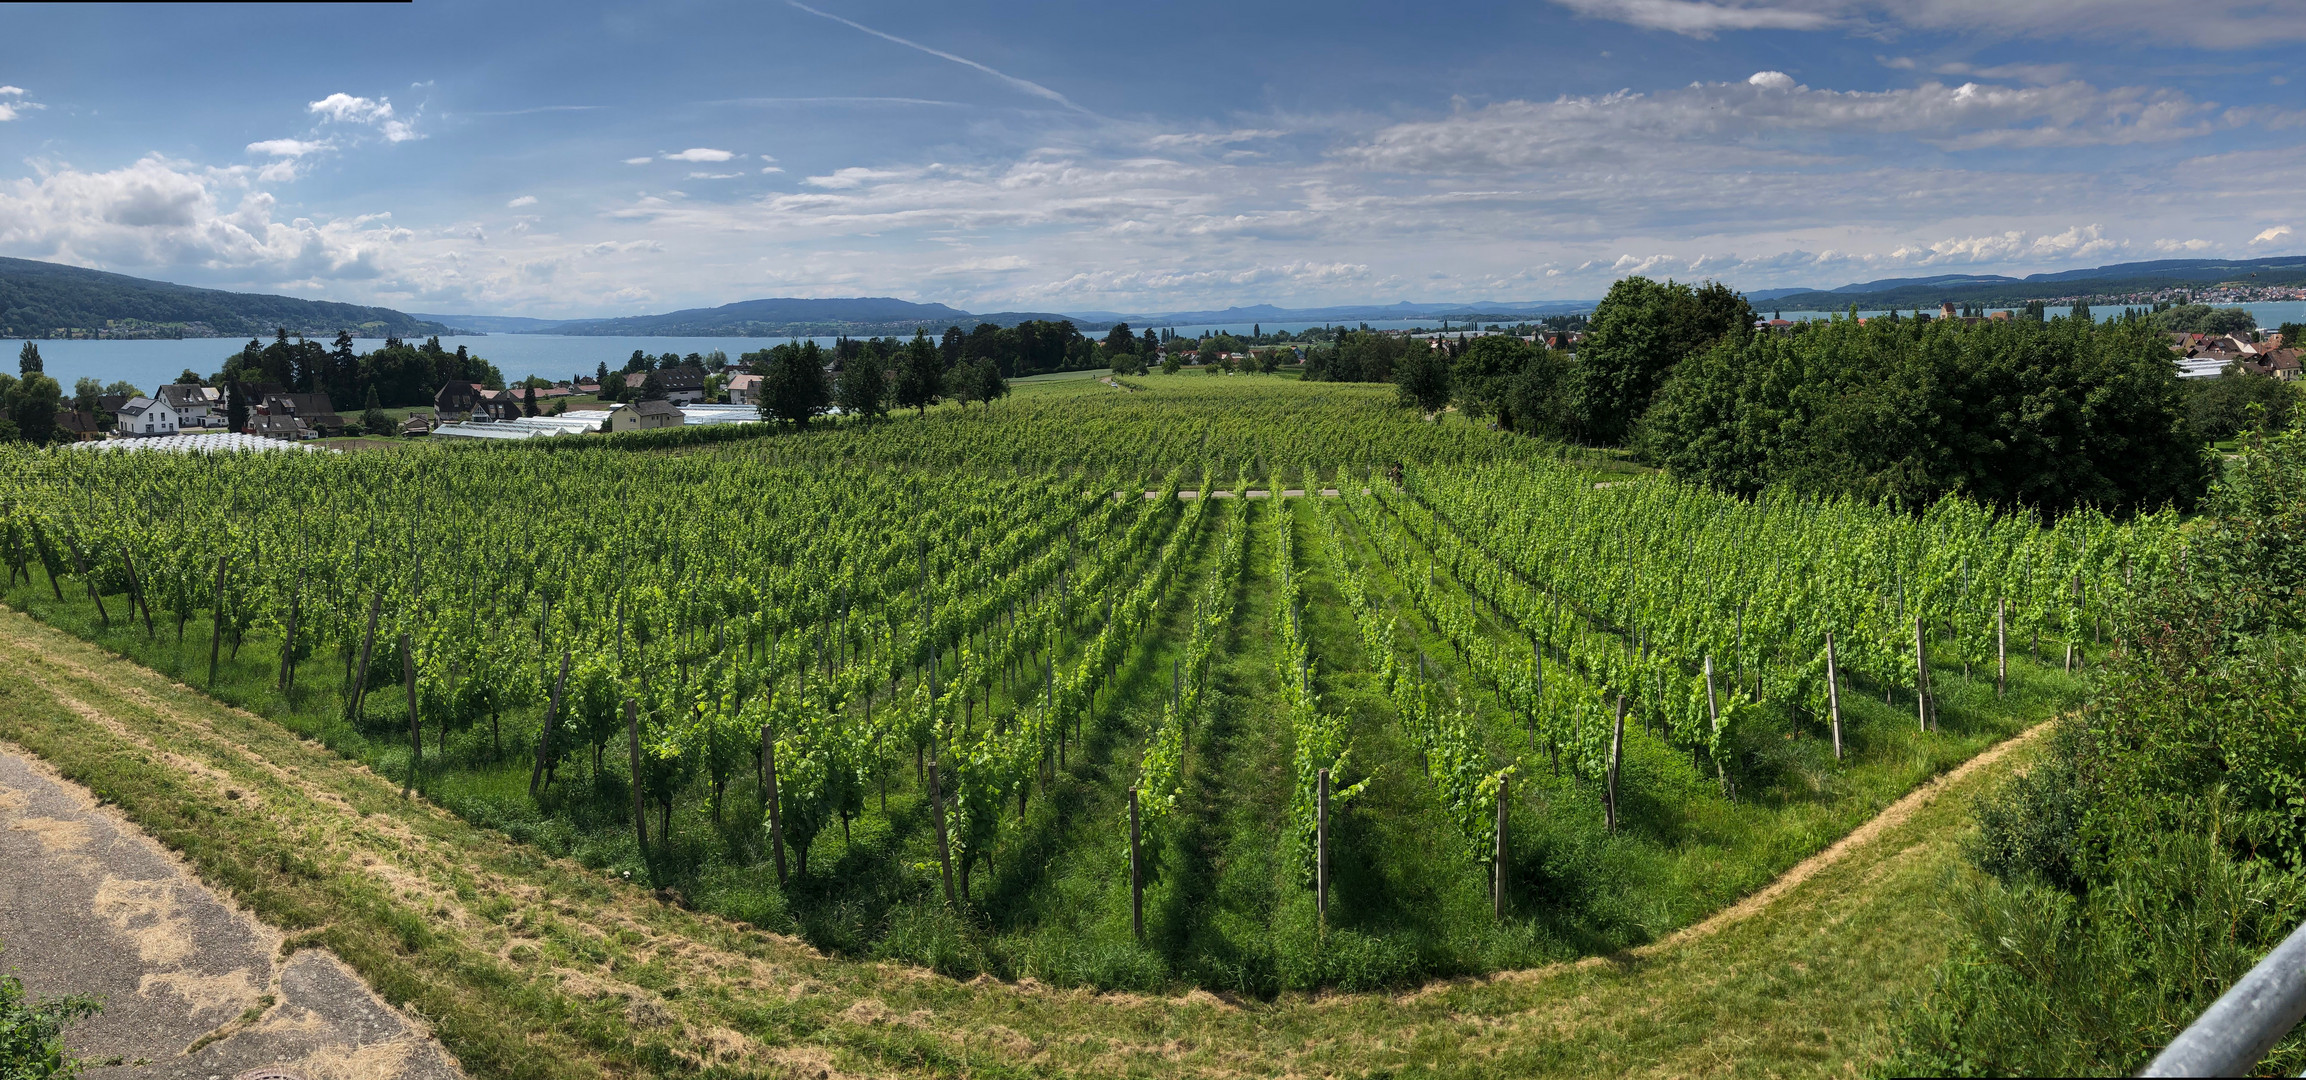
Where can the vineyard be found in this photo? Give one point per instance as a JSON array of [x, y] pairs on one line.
[[1128, 686]]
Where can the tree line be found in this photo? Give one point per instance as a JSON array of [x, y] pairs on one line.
[[2052, 413]]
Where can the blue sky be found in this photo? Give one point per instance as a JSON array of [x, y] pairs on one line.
[[595, 159]]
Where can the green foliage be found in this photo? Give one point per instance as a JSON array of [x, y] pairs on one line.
[[2204, 319], [920, 374], [2054, 415], [793, 385], [32, 1032], [862, 388], [1640, 332], [2158, 852], [1421, 379], [28, 361], [2238, 401]]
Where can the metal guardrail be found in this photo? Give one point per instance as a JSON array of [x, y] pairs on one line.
[[2236, 1031]]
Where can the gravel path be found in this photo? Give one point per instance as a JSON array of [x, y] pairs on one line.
[[193, 987]]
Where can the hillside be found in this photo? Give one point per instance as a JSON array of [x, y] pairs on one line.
[[40, 299], [778, 317], [2120, 279]]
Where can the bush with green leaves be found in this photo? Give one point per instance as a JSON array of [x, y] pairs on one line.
[[32, 1032]]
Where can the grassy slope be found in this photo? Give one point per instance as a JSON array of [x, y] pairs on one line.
[[537, 967]]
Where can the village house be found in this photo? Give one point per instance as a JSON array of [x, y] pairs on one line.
[[282, 426], [458, 401], [195, 405], [314, 410], [682, 385], [142, 416], [745, 389], [644, 416], [79, 424]]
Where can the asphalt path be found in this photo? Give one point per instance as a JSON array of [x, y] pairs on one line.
[[193, 987]]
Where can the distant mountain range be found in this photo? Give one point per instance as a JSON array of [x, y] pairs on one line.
[[2119, 279], [41, 299], [867, 315]]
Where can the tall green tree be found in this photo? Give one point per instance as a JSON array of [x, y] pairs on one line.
[[653, 386], [862, 388], [920, 374], [32, 407], [1638, 333], [1422, 381], [986, 383], [794, 390], [1486, 373], [28, 360], [372, 416]]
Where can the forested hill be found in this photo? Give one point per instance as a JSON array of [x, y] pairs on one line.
[[40, 299], [2121, 279], [782, 316]]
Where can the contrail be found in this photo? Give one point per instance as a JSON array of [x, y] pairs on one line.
[[1027, 85]]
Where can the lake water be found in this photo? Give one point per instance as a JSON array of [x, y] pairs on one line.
[[148, 364]]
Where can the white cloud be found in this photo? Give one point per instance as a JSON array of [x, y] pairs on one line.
[[2217, 24], [10, 110], [1770, 119], [159, 214], [343, 108], [2271, 235], [1700, 19], [639, 160], [714, 175], [2172, 246], [288, 148], [524, 200], [771, 169], [700, 154], [853, 177]]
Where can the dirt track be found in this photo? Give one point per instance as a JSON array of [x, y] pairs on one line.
[[193, 987]]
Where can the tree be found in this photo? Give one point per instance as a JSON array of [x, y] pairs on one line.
[[986, 383], [2222, 408], [28, 361], [235, 406], [1119, 342], [794, 388], [862, 388], [2054, 415], [613, 386], [653, 386], [1486, 375], [32, 408], [372, 416], [189, 377], [528, 402], [85, 391], [920, 374], [1639, 332], [1422, 380]]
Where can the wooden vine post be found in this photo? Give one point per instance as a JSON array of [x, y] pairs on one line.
[[1136, 871], [1921, 676], [2001, 647], [1497, 858], [216, 629], [1834, 695], [93, 594], [1616, 758], [944, 844], [359, 686], [415, 733], [776, 807], [1321, 847], [640, 801], [136, 598], [544, 752]]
